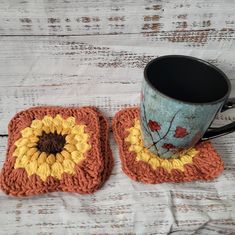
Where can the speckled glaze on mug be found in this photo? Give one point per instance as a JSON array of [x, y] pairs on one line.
[[178, 105]]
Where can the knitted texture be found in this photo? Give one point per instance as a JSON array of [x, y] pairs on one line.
[[56, 149], [199, 163]]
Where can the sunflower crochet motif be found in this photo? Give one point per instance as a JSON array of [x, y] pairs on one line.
[[51, 146], [56, 149]]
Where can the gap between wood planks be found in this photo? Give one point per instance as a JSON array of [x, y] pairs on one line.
[[69, 35], [111, 34]]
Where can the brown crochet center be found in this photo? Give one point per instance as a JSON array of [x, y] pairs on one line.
[[51, 143]]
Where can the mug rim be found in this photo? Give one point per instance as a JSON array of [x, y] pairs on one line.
[[193, 59]]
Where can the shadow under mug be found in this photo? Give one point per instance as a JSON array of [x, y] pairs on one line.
[[180, 98]]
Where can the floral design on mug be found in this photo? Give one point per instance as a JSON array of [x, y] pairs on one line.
[[168, 146], [154, 126], [180, 132]]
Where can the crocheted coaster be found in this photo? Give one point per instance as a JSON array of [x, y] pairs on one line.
[[199, 163], [56, 149]]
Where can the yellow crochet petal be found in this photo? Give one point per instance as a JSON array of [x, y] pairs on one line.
[[65, 131], [32, 167], [78, 129], [134, 131], [137, 124], [77, 156], [25, 160], [59, 157], [69, 122], [131, 148], [37, 124], [145, 157], [83, 147], [128, 138], [81, 137], [57, 170], [192, 152], [154, 162], [18, 163], [37, 132], [47, 121], [26, 132], [166, 164], [186, 159], [23, 150], [21, 142], [58, 120], [44, 171], [137, 148], [70, 139], [35, 156], [58, 123], [16, 152], [33, 139], [50, 159], [47, 129], [59, 129], [78, 137], [42, 158], [66, 154], [177, 164], [30, 145], [52, 128], [85, 136], [70, 148], [31, 151], [134, 140], [68, 166]]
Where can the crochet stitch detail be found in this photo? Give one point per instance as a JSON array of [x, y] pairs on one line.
[[82, 165], [199, 163], [134, 138], [51, 146]]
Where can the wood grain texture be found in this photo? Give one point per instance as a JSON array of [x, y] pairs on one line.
[[173, 21], [71, 71], [93, 52]]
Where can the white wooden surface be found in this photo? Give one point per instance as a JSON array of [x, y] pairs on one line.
[[93, 52]]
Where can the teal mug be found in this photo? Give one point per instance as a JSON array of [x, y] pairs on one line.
[[181, 96]]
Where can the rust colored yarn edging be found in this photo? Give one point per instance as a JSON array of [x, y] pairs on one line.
[[90, 173], [206, 164]]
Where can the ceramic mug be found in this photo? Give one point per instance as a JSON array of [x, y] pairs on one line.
[[181, 96]]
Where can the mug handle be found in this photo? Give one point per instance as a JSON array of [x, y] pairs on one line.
[[214, 132]]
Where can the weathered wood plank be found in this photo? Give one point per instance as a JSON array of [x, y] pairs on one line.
[[70, 71], [192, 22]]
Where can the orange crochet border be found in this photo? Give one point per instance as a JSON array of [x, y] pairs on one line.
[[206, 165], [91, 173]]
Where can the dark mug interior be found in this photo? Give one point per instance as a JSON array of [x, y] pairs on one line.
[[187, 79]]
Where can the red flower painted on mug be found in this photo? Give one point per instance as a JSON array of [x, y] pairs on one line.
[[168, 146], [154, 126], [180, 132]]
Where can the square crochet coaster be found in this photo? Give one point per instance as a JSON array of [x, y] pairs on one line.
[[199, 163], [56, 149]]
